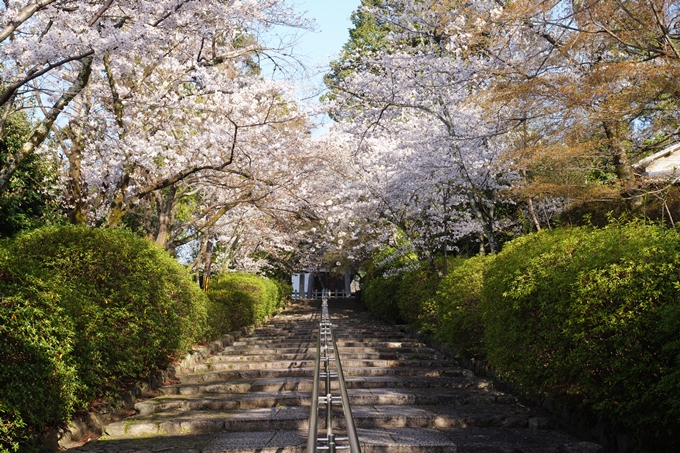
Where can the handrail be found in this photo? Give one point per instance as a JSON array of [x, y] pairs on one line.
[[326, 331], [353, 438], [313, 418]]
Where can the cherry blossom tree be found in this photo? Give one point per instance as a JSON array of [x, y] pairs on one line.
[[160, 113], [141, 71], [423, 95]]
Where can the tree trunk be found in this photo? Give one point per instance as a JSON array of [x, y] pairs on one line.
[[74, 154], [118, 205], [208, 264], [485, 218], [624, 171], [491, 238], [196, 265], [532, 213], [166, 214], [76, 213]]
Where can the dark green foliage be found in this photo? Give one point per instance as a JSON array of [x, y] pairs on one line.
[[38, 376], [458, 302], [223, 316], [589, 316], [593, 315], [400, 290], [380, 296], [283, 291], [239, 300], [26, 203], [415, 297], [368, 35], [91, 310], [380, 284]]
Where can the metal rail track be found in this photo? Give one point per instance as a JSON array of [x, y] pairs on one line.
[[325, 343]]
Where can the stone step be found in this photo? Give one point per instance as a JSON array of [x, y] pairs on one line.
[[255, 396], [271, 361], [383, 440], [305, 384], [255, 373], [311, 343], [311, 355], [258, 372], [298, 332], [240, 350], [346, 329], [297, 418], [358, 397], [409, 440]]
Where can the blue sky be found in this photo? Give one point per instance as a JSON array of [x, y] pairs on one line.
[[317, 48], [332, 19]]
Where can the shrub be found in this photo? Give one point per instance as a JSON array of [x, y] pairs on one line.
[[380, 297], [222, 317], [593, 315], [239, 300], [284, 289], [38, 374], [94, 310], [29, 200], [458, 302], [415, 297], [380, 284], [407, 296]]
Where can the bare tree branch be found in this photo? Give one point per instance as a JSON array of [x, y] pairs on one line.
[[22, 17], [169, 13], [38, 135], [100, 13], [34, 73]]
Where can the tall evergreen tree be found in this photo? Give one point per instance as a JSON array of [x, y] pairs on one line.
[[369, 35]]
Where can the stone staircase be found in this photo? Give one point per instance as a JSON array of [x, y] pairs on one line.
[[254, 396]]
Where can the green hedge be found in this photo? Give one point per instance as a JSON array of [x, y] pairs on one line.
[[588, 316], [415, 297], [380, 297], [593, 315], [459, 315], [405, 297], [239, 300], [38, 376], [379, 293], [83, 312]]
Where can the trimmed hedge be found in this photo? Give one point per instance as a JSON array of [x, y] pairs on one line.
[[415, 297], [38, 378], [593, 315], [380, 297], [239, 300], [587, 316], [459, 315], [84, 311], [379, 293], [406, 297]]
